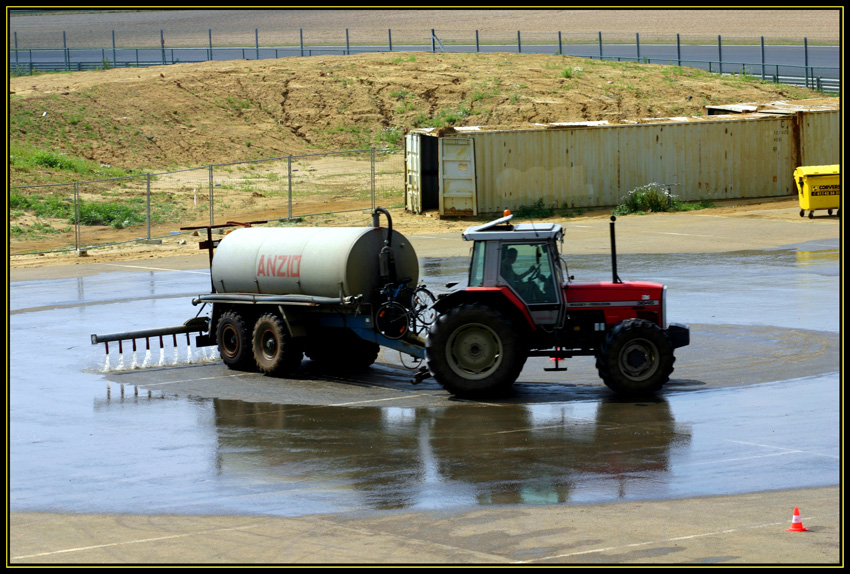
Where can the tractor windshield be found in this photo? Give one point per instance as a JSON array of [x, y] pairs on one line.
[[476, 267]]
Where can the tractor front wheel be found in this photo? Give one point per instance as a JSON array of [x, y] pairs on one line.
[[636, 358]]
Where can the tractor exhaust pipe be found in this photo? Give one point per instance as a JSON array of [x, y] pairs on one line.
[[614, 277]]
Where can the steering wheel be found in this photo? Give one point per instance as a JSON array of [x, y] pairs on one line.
[[535, 273]]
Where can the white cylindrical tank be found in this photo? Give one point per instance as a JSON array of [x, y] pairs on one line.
[[316, 261]]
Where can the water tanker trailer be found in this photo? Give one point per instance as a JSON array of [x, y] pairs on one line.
[[337, 295]]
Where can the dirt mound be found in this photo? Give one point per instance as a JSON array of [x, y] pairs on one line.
[[188, 115]]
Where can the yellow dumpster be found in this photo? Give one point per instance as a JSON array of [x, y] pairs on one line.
[[819, 187]]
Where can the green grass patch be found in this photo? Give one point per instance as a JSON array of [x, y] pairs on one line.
[[444, 117], [654, 198], [648, 198], [29, 158], [114, 214], [44, 207], [536, 210]]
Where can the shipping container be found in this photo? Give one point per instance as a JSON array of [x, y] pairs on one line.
[[467, 171]]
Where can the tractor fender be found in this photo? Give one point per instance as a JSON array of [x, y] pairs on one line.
[[501, 298]]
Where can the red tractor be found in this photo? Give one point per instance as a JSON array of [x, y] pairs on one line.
[[520, 302]]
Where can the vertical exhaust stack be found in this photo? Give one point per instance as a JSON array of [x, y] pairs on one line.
[[614, 277]]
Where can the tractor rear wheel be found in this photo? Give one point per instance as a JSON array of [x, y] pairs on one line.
[[274, 350], [636, 358], [473, 351]]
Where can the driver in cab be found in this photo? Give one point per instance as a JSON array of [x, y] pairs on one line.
[[508, 273]]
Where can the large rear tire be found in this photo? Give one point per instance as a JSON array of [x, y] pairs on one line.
[[473, 351], [274, 351], [636, 358], [234, 341]]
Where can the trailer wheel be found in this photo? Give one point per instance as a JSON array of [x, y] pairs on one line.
[[636, 358], [473, 351], [233, 339], [341, 350], [274, 351], [360, 354]]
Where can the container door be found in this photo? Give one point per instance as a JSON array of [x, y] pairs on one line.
[[458, 193], [413, 172]]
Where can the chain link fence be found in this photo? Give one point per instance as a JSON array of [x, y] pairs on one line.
[[782, 60], [149, 207]]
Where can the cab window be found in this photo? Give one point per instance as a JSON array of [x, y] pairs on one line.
[[527, 268]]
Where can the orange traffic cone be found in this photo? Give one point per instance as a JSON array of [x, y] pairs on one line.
[[796, 522]]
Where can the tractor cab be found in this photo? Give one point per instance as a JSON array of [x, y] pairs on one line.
[[522, 258]]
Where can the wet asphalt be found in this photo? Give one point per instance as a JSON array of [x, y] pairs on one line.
[[166, 456]]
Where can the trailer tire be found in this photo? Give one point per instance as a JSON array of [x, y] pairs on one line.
[[274, 351], [360, 354], [233, 339], [342, 350], [636, 358], [473, 351]]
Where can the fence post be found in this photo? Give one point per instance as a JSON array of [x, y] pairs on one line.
[[600, 45], [347, 45], [209, 55], [806, 58], [518, 43], [212, 208], [390, 38], [67, 56], [560, 45], [762, 58], [678, 50], [373, 179], [637, 45], [257, 41], [719, 55], [114, 56], [433, 45], [162, 45], [289, 183], [76, 216], [477, 46], [148, 203], [301, 39]]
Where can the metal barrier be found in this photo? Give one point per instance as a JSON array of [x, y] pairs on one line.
[[576, 44]]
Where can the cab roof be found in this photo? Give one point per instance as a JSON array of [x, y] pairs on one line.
[[501, 229]]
